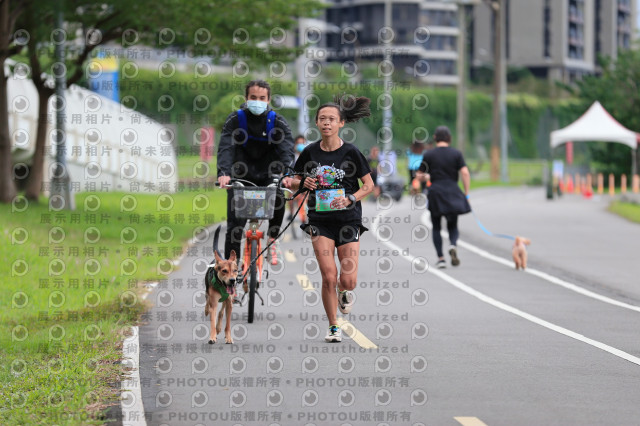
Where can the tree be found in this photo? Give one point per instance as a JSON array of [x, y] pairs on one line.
[[202, 26], [9, 13], [618, 90]]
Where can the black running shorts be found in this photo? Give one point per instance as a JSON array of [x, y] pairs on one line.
[[340, 234]]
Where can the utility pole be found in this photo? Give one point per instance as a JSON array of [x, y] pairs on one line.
[[387, 120], [461, 115], [504, 131], [461, 105], [303, 81], [498, 71]]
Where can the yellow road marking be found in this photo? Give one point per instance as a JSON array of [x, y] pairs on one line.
[[470, 421], [289, 256], [355, 334], [304, 282], [348, 328]]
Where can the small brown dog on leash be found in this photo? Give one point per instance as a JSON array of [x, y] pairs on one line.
[[220, 282], [519, 252]]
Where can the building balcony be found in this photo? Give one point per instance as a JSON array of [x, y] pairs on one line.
[[575, 41], [624, 7], [576, 19]]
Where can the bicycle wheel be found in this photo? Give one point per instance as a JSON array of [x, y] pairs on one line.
[[253, 279]]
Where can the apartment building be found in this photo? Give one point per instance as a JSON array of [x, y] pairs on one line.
[[424, 43], [556, 39]]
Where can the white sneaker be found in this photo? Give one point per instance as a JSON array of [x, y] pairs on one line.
[[441, 264], [334, 334], [345, 301]]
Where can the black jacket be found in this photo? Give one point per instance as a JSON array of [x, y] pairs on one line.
[[242, 157]]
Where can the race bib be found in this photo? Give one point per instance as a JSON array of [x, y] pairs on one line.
[[324, 198]]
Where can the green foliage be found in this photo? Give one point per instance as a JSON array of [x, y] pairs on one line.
[[416, 109], [524, 112], [66, 371], [630, 211]]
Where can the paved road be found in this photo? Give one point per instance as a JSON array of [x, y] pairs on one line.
[[478, 343]]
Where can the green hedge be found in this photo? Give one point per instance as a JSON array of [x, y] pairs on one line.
[[526, 113]]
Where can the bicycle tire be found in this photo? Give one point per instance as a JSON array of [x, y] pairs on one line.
[[253, 278]]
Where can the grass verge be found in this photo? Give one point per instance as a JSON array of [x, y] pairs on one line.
[[72, 280], [630, 211]]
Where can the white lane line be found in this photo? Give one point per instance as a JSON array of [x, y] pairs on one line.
[[470, 421], [539, 274], [348, 328], [507, 308]]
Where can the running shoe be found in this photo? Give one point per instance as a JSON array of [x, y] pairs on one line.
[[454, 256], [441, 264], [334, 334], [345, 301]]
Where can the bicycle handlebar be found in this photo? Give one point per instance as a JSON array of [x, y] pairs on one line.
[[238, 183]]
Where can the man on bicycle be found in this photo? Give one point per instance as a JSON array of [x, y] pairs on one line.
[[255, 145]]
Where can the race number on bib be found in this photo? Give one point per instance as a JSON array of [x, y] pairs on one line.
[[325, 197]]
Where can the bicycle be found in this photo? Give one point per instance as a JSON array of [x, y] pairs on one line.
[[254, 203]]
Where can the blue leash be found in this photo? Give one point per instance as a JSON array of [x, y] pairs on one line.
[[489, 233]]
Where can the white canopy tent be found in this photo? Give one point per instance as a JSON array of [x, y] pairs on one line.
[[597, 125]]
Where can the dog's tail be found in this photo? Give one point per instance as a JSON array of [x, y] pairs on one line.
[[216, 237]]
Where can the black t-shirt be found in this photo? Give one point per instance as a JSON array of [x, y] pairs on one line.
[[336, 169], [442, 163]]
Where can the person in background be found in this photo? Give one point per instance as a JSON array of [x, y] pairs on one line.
[[414, 159], [299, 144], [374, 160], [443, 165], [255, 145]]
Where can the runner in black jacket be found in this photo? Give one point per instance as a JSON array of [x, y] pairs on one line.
[[443, 164], [254, 156]]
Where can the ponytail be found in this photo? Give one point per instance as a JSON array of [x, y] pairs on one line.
[[350, 107]]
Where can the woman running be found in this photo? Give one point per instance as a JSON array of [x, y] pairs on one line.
[[330, 169]]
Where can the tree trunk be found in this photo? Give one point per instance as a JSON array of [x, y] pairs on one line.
[[7, 184], [36, 174]]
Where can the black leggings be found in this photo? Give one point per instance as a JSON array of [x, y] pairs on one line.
[[452, 227], [235, 226]]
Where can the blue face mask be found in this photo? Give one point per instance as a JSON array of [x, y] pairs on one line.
[[257, 107], [300, 147]]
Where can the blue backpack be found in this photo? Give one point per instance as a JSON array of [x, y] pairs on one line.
[[271, 123]]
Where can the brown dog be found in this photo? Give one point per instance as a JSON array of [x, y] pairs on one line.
[[519, 252], [220, 282]]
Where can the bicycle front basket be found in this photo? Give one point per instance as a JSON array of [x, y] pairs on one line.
[[255, 202]]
